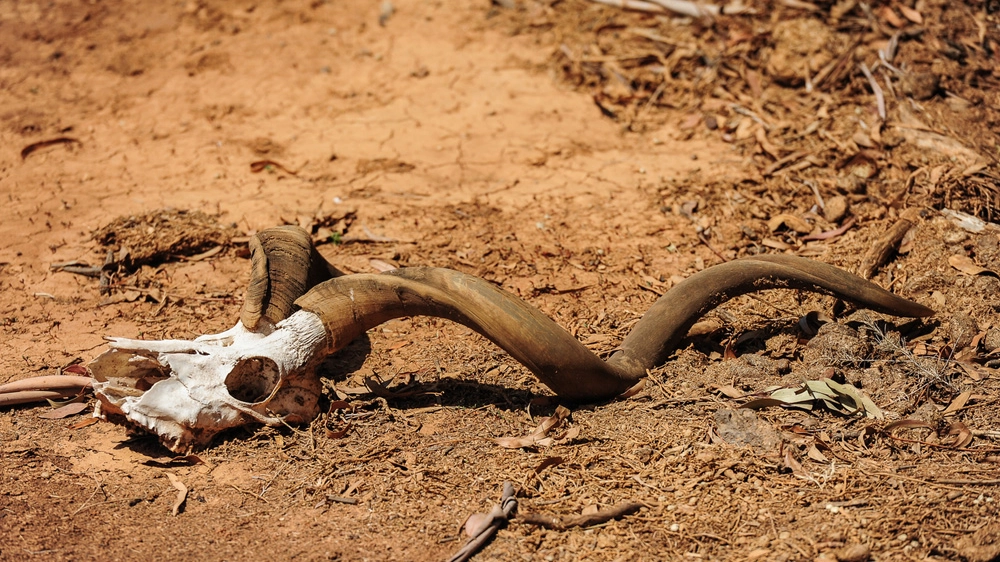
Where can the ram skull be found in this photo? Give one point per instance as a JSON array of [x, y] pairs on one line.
[[299, 309]]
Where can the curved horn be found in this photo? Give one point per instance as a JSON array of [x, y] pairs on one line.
[[350, 305], [663, 326], [284, 264]]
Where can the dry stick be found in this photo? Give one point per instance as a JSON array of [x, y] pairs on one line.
[[689, 9], [589, 520], [782, 162], [495, 518], [879, 254], [912, 479], [876, 89], [637, 5], [816, 193]]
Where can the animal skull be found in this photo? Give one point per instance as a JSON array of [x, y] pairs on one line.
[[299, 309], [188, 391]]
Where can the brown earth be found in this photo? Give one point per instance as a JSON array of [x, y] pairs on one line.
[[580, 156]]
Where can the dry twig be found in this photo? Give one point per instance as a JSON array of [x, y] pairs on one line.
[[586, 520], [880, 251], [487, 524]]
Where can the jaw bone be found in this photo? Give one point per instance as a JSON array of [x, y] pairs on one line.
[[188, 391]]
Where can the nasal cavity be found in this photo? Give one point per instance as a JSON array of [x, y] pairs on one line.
[[253, 379]]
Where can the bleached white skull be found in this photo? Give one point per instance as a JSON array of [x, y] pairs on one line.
[[188, 391]]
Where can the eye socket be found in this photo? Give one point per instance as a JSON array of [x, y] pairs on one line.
[[253, 379]]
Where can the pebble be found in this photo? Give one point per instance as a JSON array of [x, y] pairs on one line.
[[853, 553]]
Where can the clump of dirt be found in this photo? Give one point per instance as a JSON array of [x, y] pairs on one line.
[[163, 235]]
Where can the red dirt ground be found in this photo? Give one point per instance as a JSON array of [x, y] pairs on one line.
[[580, 156]]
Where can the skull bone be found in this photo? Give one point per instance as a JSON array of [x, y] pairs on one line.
[[186, 392]]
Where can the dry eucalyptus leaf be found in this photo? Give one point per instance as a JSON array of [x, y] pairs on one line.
[[959, 435], [814, 453], [957, 404], [65, 411], [84, 423], [729, 391], [476, 523], [794, 465], [537, 438], [969, 267], [182, 492], [842, 398], [381, 266], [791, 222], [908, 424]]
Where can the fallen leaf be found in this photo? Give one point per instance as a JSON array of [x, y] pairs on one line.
[[957, 404], [794, 465], [841, 398], [78, 369], [891, 18], [728, 391], [969, 267], [398, 345], [547, 462], [171, 462], [571, 434], [64, 411], [791, 222], [381, 266], [42, 144], [959, 436], [538, 436], [269, 165], [197, 257], [814, 453], [476, 522], [338, 433], [911, 14], [84, 423], [182, 492]]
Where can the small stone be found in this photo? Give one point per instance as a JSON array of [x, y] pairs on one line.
[[920, 85], [992, 339], [963, 329], [852, 184], [853, 553], [835, 209]]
